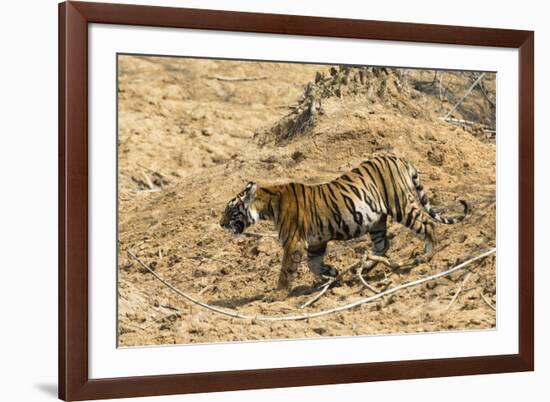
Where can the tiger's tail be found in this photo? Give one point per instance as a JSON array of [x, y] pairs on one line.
[[426, 203]]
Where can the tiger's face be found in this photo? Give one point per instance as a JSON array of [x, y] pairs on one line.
[[238, 214]]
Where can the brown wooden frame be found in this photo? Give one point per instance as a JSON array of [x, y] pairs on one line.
[[74, 17]]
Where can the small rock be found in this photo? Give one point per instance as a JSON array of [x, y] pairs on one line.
[[475, 321], [298, 156], [320, 330], [431, 285], [430, 136]]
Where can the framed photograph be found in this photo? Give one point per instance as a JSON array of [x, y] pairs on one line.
[[259, 200]]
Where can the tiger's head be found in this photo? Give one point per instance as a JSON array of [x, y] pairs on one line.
[[239, 212]]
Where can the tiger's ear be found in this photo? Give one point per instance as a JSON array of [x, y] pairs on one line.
[[250, 192]]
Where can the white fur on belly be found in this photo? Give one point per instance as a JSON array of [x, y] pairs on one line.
[[254, 214]]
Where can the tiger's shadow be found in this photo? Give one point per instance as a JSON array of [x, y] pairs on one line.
[[236, 301], [232, 303], [301, 290]]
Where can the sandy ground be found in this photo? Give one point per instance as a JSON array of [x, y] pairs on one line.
[[188, 142]]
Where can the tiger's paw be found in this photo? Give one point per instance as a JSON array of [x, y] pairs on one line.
[[329, 271], [276, 296]]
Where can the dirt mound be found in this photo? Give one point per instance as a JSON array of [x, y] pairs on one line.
[[368, 84], [175, 179]]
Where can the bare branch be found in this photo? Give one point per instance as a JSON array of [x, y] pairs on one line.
[[235, 79], [324, 287], [457, 104], [254, 234], [206, 289], [484, 92], [465, 122], [169, 307], [319, 313], [487, 301], [148, 181], [457, 292], [318, 295]]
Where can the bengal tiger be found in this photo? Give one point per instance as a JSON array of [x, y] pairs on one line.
[[307, 217]]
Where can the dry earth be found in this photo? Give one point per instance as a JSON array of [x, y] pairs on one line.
[[189, 141]]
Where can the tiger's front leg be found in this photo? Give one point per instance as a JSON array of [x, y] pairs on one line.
[[315, 263], [293, 254]]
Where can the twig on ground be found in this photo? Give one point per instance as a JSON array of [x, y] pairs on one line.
[[487, 301], [390, 264], [461, 121], [325, 286], [153, 190], [366, 284], [235, 79], [169, 307], [185, 295], [490, 132], [133, 325], [159, 177], [365, 264], [457, 292], [206, 289], [467, 123], [254, 234], [318, 295], [319, 313], [148, 181], [150, 170]]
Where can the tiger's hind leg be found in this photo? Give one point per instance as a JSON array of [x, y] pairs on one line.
[[379, 237], [315, 261], [416, 219]]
